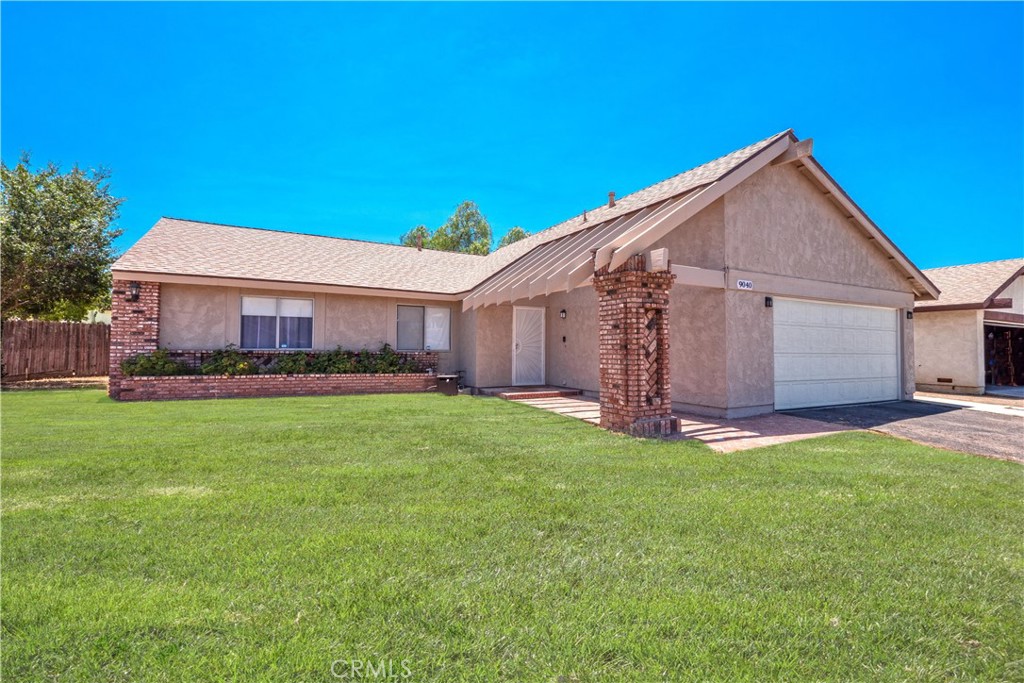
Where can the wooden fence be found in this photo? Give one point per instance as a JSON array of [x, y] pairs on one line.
[[35, 349]]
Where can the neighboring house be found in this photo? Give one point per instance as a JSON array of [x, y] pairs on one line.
[[749, 284], [973, 334]]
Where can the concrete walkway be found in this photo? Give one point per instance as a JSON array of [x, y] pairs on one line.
[[724, 436]]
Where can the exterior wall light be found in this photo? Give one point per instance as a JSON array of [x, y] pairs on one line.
[[910, 315], [562, 314], [134, 290], [768, 303]]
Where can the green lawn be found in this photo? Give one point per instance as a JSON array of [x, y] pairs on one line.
[[478, 539]]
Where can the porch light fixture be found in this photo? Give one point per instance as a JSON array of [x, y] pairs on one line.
[[134, 290], [910, 315], [562, 314], [768, 303]]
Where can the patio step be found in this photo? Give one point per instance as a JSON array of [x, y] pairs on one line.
[[531, 394]]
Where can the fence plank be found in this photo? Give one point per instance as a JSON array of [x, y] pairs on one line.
[[34, 349]]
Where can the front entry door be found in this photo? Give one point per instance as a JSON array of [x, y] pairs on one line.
[[528, 345]]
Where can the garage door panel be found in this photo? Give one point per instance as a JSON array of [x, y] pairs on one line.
[[830, 354]]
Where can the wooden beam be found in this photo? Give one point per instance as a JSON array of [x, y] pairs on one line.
[[604, 253], [797, 152], [691, 276], [1000, 317], [578, 269]]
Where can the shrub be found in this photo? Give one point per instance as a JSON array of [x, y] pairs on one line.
[[159, 363], [338, 361], [229, 361], [292, 364], [390, 361]]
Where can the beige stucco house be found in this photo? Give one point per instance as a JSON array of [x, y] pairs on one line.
[[973, 334], [782, 293]]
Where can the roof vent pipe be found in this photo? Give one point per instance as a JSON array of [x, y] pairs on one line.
[[611, 199], [584, 215]]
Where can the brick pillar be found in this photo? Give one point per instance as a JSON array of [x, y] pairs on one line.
[[134, 326], [636, 390]]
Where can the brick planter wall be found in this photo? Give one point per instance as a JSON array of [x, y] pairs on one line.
[[134, 327], [253, 386], [633, 349]]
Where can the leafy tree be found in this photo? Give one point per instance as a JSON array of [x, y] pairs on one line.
[[57, 240], [513, 235], [413, 237], [466, 231]]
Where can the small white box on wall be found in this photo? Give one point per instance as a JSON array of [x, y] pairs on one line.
[[657, 260]]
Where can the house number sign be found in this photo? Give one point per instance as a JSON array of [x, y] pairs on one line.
[[744, 284]]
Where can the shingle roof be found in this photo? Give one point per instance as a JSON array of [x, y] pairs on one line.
[[971, 285], [184, 247]]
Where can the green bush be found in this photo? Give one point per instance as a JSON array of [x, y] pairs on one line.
[[158, 364], [338, 361], [229, 361], [232, 361], [292, 364]]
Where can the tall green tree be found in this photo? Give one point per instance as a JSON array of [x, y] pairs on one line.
[[513, 235], [466, 231], [57, 240]]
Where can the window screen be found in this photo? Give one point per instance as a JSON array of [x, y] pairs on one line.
[[259, 320], [410, 328], [295, 322], [437, 329], [276, 323]]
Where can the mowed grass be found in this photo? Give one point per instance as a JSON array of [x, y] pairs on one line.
[[476, 540]]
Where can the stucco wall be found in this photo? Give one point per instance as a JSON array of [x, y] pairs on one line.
[[750, 353], [197, 317], [700, 241], [574, 362], [909, 368], [948, 344], [487, 341], [493, 364], [779, 222], [697, 348], [203, 317]]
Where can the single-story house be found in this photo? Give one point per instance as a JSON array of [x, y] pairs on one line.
[[749, 284], [973, 334]]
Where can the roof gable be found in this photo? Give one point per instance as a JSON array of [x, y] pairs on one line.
[[973, 285], [195, 249]]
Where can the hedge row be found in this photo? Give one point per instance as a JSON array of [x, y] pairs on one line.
[[232, 361]]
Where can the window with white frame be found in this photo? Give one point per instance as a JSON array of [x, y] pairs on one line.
[[424, 328], [274, 323]]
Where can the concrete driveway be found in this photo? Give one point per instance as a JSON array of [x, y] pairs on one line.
[[957, 427]]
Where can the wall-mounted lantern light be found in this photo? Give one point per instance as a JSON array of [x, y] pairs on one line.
[[134, 290], [562, 314], [910, 315], [768, 303]]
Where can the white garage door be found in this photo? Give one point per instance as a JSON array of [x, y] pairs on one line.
[[829, 354]]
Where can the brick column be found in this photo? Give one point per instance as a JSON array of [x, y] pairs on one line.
[[134, 326], [633, 339]]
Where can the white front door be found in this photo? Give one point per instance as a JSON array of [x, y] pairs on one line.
[[527, 345], [830, 354]]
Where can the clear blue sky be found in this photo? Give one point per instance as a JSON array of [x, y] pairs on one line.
[[364, 120]]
